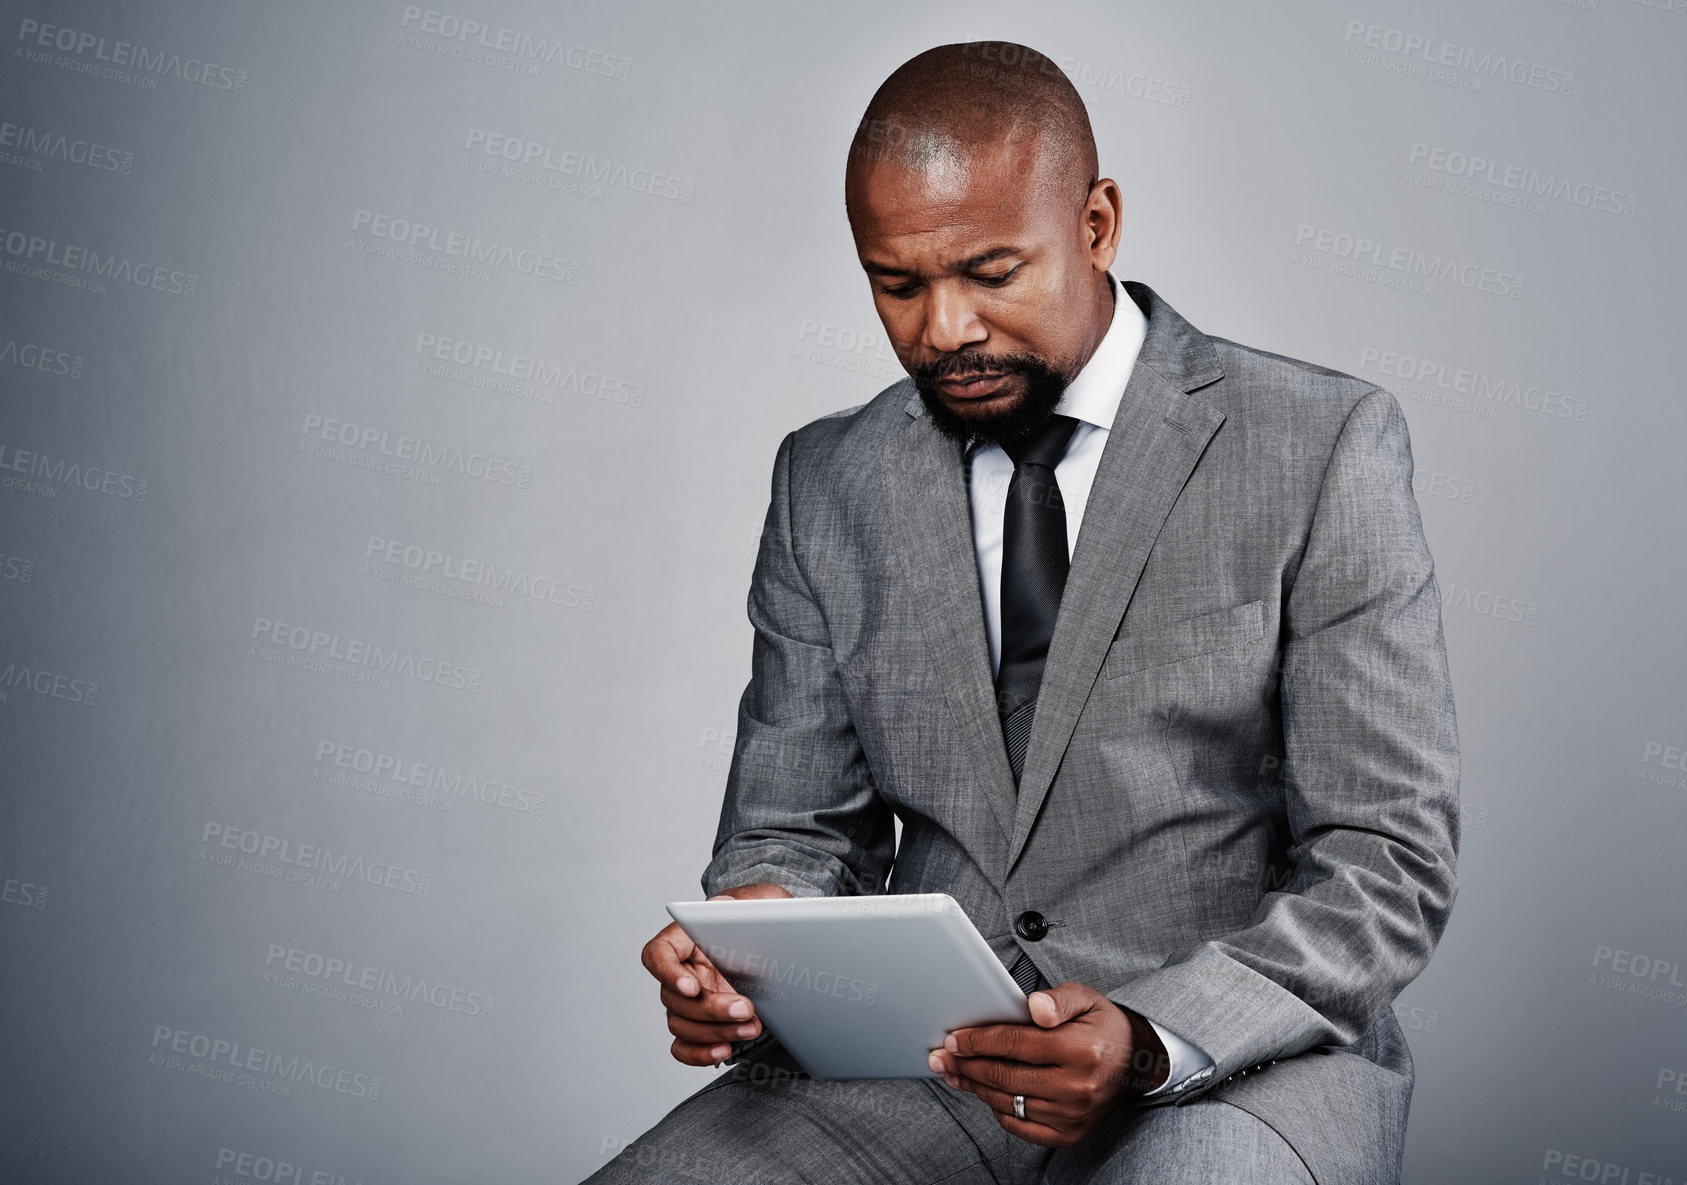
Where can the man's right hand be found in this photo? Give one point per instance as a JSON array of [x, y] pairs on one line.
[[705, 1014]]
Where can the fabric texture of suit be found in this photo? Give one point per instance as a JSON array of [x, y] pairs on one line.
[[1240, 797]]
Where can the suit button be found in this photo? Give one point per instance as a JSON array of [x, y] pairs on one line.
[[1031, 926]]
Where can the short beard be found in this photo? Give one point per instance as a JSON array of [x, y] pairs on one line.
[[1023, 421], [1029, 414]]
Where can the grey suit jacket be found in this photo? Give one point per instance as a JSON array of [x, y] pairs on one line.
[[1240, 797]]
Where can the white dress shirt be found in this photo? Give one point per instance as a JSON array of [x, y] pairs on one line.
[[1092, 399]]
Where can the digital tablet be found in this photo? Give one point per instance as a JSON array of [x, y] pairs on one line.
[[857, 987]]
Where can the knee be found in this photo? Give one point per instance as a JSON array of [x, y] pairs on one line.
[[644, 1160]]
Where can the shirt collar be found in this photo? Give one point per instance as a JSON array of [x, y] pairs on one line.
[[1094, 395]]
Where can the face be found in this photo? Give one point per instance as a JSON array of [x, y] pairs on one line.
[[991, 287]]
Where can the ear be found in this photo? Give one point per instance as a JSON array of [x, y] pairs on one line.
[[1103, 219]]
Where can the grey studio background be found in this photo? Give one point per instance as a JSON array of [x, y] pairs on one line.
[[390, 395]]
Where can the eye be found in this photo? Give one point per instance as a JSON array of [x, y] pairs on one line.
[[900, 292], [997, 281]]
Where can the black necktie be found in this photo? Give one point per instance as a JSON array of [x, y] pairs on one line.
[[1034, 565]]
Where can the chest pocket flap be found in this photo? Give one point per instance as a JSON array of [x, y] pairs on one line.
[[1157, 646]]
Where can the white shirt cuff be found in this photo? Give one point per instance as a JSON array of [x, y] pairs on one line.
[[1189, 1064]]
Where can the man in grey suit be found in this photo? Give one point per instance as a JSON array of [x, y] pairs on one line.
[[1191, 769]]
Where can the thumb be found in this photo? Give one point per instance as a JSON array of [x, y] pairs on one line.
[[1059, 1004]]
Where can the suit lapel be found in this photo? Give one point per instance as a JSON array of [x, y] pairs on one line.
[[1157, 437], [931, 522]]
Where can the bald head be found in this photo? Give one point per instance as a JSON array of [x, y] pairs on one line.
[[942, 110]]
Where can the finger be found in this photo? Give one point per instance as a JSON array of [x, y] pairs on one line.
[[715, 1007], [699, 1033], [709, 976], [666, 957], [1020, 1043], [700, 1055], [1011, 1077], [1061, 1003], [1047, 1112], [1053, 1130]]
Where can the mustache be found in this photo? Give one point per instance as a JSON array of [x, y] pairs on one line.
[[971, 366]]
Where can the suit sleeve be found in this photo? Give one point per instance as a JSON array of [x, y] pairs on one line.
[[1371, 769], [801, 810]]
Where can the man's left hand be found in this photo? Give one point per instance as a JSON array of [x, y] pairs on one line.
[[1081, 1056]]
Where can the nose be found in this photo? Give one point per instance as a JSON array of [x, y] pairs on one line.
[[950, 321]]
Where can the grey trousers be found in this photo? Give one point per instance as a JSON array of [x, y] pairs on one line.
[[764, 1122]]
